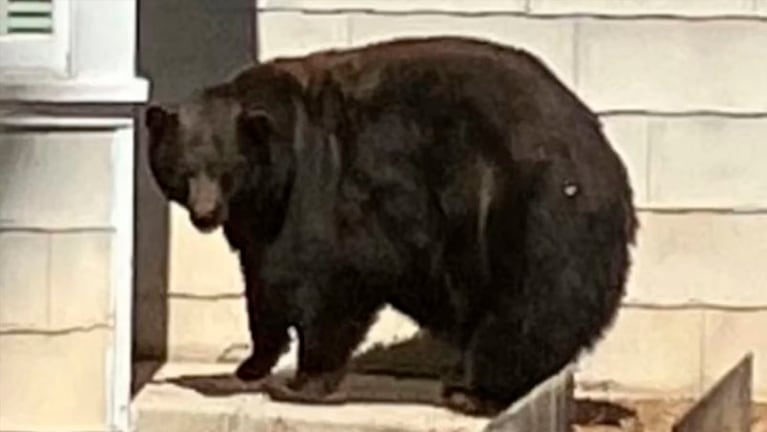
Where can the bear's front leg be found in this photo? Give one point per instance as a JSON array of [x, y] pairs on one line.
[[267, 322], [269, 340], [328, 334]]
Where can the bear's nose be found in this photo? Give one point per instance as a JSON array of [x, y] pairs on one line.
[[207, 221]]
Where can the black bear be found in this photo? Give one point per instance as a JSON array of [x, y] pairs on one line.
[[455, 179]]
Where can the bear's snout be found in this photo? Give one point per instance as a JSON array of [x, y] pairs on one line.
[[206, 207]]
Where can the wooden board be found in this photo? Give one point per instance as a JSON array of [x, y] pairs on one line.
[[545, 409], [726, 407]]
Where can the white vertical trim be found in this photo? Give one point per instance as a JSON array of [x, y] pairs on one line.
[[119, 360]]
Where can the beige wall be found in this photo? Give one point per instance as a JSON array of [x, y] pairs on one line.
[[682, 92]]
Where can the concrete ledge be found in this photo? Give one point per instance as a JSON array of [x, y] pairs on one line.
[[204, 397], [15, 121]]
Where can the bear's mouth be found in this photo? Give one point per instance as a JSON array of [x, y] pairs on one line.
[[206, 224]]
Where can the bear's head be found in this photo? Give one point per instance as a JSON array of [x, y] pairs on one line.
[[206, 153]]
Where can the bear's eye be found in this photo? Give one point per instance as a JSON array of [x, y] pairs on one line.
[[226, 182], [177, 187]]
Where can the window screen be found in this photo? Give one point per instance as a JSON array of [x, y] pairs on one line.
[[34, 38]]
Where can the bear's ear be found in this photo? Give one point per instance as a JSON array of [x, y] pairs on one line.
[[256, 124], [326, 103], [156, 118]]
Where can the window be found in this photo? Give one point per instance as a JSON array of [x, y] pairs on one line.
[[34, 36]]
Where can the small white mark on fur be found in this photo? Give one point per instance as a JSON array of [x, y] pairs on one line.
[[300, 130], [571, 189], [486, 193], [335, 152]]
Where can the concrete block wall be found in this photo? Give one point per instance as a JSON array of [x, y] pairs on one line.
[[681, 90], [60, 259]]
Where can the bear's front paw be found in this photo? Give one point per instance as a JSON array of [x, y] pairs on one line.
[[253, 369], [470, 403], [314, 389]]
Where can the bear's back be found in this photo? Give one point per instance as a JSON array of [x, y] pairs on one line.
[[533, 114], [528, 109]]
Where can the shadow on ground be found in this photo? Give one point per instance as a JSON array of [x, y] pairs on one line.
[[406, 373]]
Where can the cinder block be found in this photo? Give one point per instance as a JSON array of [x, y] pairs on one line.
[[628, 135], [206, 329], [23, 280], [714, 258], [673, 65], [648, 351], [550, 40], [50, 383], [728, 336], [295, 33], [56, 179], [644, 7], [200, 264], [708, 161], [80, 279], [400, 5], [659, 249]]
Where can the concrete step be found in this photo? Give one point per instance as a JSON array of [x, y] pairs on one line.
[[188, 397]]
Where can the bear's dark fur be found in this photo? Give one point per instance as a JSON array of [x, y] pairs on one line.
[[455, 179]]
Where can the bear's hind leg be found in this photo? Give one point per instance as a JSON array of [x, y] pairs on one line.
[[559, 273], [501, 364]]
